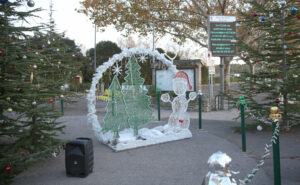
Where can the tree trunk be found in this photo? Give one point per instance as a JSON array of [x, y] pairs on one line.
[[227, 74], [252, 69]]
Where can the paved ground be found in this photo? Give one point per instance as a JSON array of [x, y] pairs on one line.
[[175, 163]]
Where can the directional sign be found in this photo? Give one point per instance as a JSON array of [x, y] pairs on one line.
[[222, 35]]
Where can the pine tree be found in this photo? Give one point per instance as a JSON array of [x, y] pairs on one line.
[[136, 98], [273, 46], [116, 118], [28, 124]]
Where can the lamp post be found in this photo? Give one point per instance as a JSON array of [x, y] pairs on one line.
[[95, 42]]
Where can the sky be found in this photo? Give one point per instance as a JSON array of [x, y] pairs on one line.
[[78, 27]]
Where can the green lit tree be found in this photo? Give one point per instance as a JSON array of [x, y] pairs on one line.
[[116, 118], [273, 47], [135, 96]]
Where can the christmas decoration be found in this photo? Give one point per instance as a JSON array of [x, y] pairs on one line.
[[127, 139], [277, 101], [9, 110], [51, 100], [294, 9], [30, 3], [259, 128], [255, 14], [116, 117], [143, 58], [69, 49], [34, 103], [219, 174], [179, 119], [137, 101], [31, 77], [8, 168], [8, 98], [1, 52], [263, 19], [117, 70], [277, 57], [34, 66]]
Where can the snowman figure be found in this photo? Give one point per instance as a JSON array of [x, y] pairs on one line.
[[179, 119]]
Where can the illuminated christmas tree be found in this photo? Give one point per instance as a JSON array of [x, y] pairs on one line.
[[116, 118], [135, 96]]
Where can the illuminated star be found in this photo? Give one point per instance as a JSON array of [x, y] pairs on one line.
[[117, 70], [143, 58]]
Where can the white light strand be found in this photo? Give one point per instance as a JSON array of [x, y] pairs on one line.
[[91, 96], [264, 156]]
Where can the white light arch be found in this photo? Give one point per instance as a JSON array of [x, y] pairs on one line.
[[91, 96]]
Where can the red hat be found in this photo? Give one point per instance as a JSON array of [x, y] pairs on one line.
[[184, 75]]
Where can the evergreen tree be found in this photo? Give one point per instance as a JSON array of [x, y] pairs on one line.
[[116, 118], [135, 96], [273, 46], [29, 81]]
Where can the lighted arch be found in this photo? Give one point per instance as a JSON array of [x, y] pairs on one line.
[[91, 96]]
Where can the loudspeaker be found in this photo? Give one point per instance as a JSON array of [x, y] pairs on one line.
[[79, 157]]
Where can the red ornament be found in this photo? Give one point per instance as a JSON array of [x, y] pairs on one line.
[[63, 35], [39, 53], [257, 61], [27, 50], [51, 100], [293, 52], [180, 121], [277, 101], [279, 77], [8, 168], [1, 52], [252, 87], [292, 33], [255, 14], [298, 17]]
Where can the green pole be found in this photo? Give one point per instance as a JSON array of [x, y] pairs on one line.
[[200, 110], [62, 105], [243, 127], [158, 104], [276, 158]]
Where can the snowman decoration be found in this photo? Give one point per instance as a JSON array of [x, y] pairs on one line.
[[179, 119]]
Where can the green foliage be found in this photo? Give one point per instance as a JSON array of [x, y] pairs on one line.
[[104, 51], [136, 98], [31, 74], [116, 118], [265, 51]]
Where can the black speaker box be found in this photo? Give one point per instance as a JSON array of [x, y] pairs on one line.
[[79, 157]]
